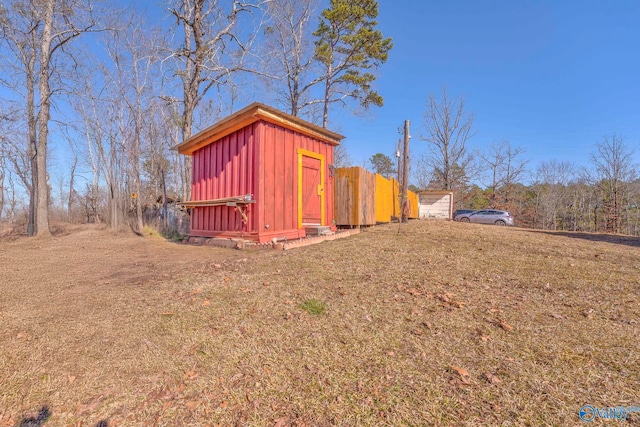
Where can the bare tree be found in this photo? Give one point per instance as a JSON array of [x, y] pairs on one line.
[[551, 188], [613, 172], [341, 156], [493, 160], [580, 207], [101, 111], [504, 167], [72, 178], [291, 50], [113, 112], [171, 120], [421, 174], [448, 129], [4, 166], [36, 33], [211, 50], [134, 55], [514, 168], [158, 167], [15, 162], [16, 156], [3, 175]]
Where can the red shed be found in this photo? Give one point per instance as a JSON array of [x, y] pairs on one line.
[[261, 174]]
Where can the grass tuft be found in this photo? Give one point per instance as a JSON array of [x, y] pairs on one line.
[[172, 234], [150, 231], [313, 306]]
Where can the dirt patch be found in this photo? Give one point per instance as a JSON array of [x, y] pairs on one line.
[[441, 324]]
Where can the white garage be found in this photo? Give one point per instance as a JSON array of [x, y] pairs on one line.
[[435, 204]]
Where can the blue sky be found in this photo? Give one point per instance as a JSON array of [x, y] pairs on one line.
[[553, 77]]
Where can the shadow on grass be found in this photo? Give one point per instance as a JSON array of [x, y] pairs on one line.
[[38, 421], [594, 237], [43, 415]]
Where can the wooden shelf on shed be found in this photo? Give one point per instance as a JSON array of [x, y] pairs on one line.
[[225, 201]]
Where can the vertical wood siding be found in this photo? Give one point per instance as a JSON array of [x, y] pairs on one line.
[[364, 198], [413, 204], [224, 169], [355, 196], [384, 199], [260, 159], [278, 203]]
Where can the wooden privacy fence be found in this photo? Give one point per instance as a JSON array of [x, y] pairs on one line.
[[366, 198], [413, 204], [355, 196]]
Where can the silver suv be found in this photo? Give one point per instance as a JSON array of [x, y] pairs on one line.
[[460, 212], [488, 216]]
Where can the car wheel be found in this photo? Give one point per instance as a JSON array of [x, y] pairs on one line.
[[500, 222], [464, 220]]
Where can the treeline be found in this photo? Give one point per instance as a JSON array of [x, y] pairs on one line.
[[603, 196], [93, 98]]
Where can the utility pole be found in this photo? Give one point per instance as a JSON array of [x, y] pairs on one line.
[[405, 173], [398, 148], [405, 167]]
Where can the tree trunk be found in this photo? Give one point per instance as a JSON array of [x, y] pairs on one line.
[[71, 180], [294, 102], [31, 226], [113, 193], [165, 210], [33, 142], [2, 174], [42, 188], [187, 129], [113, 207], [325, 113], [136, 169]]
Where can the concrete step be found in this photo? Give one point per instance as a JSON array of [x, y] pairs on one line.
[[318, 230]]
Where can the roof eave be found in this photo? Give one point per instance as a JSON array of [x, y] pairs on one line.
[[252, 114], [434, 192]]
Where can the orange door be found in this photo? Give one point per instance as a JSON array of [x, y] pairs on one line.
[[311, 191]]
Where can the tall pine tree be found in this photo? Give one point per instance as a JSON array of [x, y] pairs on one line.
[[348, 47]]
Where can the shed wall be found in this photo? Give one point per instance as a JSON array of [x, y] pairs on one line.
[[277, 197], [260, 159], [225, 168], [435, 206]]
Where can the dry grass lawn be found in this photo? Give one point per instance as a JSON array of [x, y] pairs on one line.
[[443, 324]]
